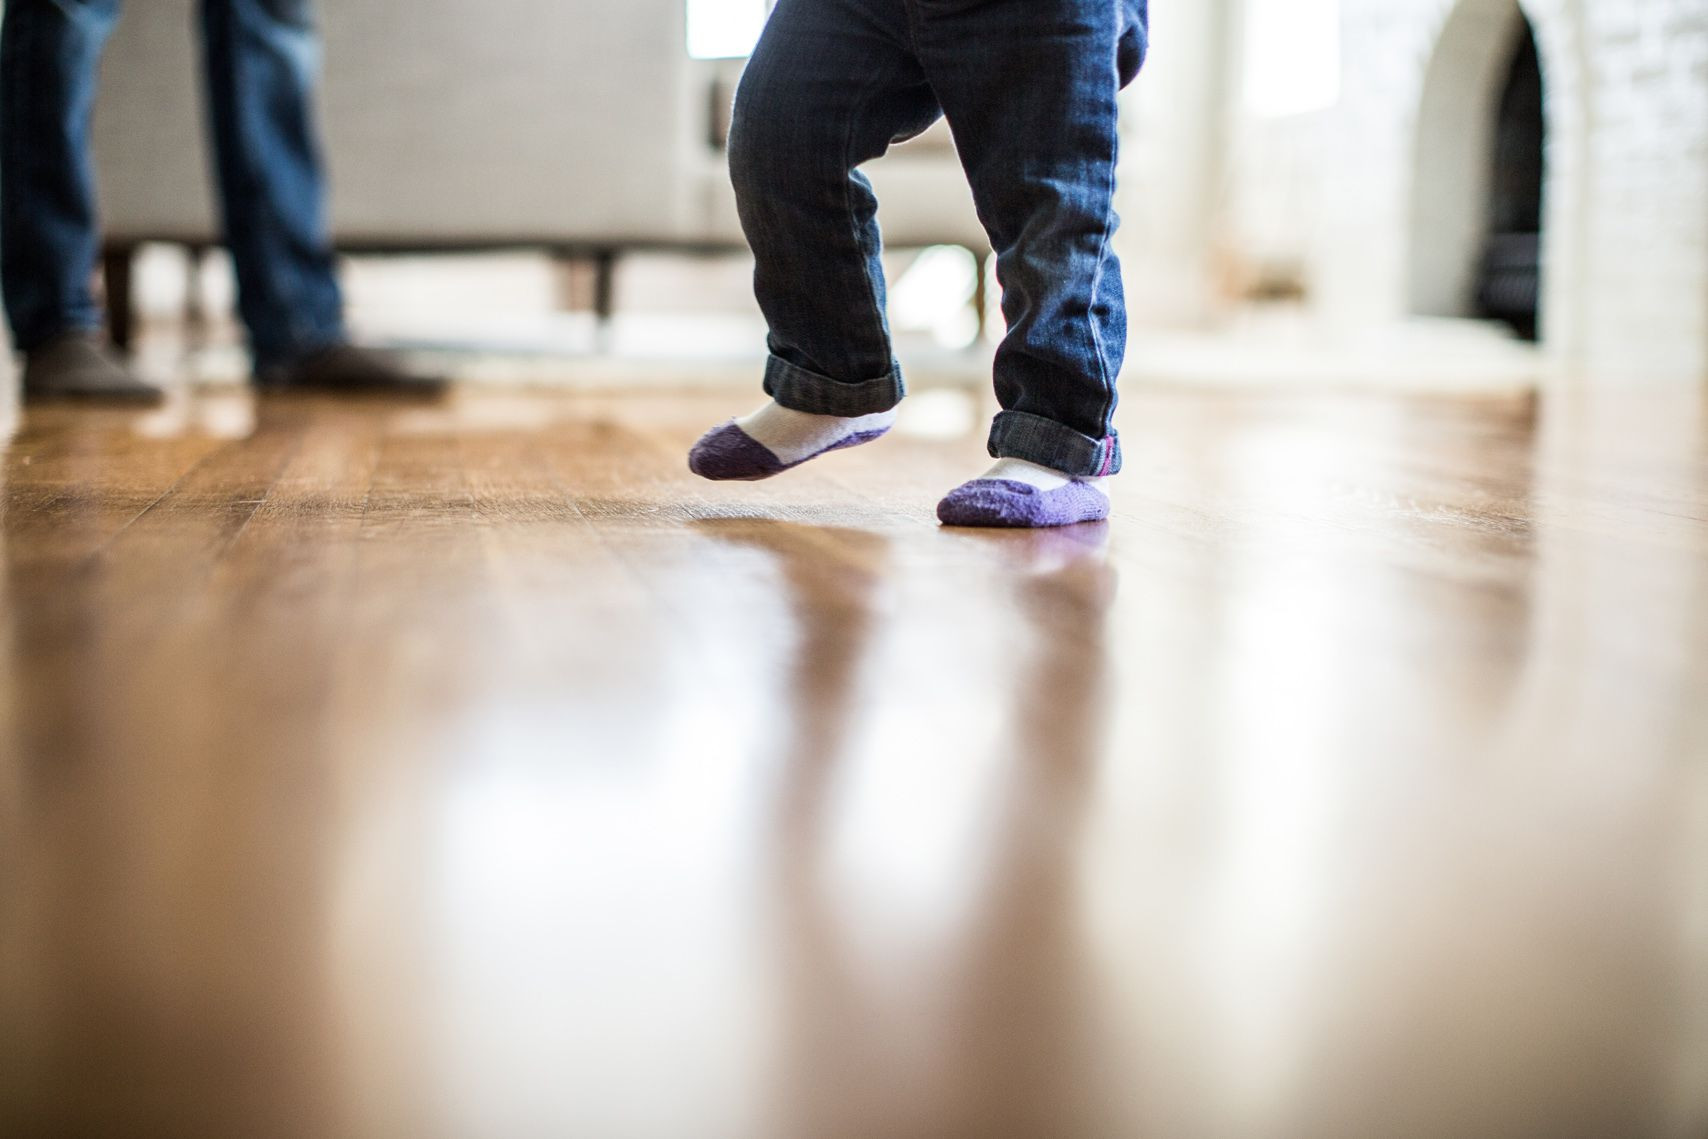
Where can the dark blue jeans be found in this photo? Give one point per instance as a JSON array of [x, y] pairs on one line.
[[1029, 88], [261, 56]]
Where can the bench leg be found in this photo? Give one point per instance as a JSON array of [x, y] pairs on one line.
[[604, 285], [117, 262], [195, 305], [981, 292]]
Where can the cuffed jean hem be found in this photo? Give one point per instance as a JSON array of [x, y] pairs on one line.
[[1019, 435], [798, 389]]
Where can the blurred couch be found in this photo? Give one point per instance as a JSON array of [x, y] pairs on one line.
[[577, 126]]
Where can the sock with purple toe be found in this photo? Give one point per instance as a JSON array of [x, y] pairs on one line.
[[1020, 495], [775, 439]]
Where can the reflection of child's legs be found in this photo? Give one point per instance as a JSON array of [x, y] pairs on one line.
[[1034, 114], [831, 83]]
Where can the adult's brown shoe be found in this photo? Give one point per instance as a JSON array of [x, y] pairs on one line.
[[78, 365], [347, 368]]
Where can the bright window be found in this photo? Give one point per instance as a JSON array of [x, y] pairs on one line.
[[724, 29], [1292, 56]]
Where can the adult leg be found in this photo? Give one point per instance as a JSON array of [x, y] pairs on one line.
[[50, 53], [831, 85], [1033, 109], [262, 60]]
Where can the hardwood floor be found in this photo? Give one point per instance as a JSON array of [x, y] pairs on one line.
[[473, 770]]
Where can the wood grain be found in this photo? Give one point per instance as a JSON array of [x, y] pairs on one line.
[[473, 770]]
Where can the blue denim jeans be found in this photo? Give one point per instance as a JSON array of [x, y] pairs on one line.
[[261, 60], [1029, 89]]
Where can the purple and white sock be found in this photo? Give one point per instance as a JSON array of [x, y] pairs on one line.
[[1018, 494], [776, 438]]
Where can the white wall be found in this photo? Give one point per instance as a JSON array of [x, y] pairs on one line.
[[1174, 166]]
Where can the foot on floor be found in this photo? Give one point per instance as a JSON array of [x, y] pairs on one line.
[[1023, 495], [79, 365], [776, 438]]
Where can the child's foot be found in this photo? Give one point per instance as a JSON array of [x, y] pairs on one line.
[[1016, 493], [776, 438]]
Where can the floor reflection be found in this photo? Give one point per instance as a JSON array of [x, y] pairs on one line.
[[1024, 1052], [985, 1029], [473, 770]]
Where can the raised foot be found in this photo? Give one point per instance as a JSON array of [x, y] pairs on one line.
[[727, 453]]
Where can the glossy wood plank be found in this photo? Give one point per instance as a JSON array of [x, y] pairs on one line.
[[474, 770]]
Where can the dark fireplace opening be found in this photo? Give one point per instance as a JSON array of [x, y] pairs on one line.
[[1509, 279]]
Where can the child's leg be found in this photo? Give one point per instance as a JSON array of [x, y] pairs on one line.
[[1030, 87], [831, 84]]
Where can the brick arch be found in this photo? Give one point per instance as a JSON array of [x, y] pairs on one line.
[[1466, 44], [1451, 143]]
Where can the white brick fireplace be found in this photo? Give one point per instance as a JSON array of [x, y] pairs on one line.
[[1379, 202], [1625, 247]]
